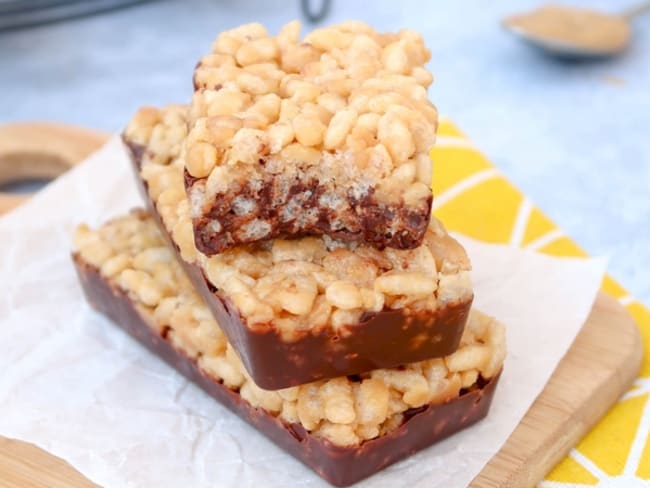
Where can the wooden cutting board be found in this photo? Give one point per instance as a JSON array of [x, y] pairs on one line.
[[40, 151], [601, 364]]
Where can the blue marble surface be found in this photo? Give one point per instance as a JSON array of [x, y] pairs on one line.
[[574, 137]]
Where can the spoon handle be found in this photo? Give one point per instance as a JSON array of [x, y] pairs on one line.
[[632, 12]]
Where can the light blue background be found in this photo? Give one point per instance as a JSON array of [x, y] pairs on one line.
[[577, 144]]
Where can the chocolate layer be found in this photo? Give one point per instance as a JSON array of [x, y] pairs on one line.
[[386, 339], [358, 219], [339, 465], [383, 340]]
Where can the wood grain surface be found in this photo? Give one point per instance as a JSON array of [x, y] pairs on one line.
[[41, 151], [601, 364]]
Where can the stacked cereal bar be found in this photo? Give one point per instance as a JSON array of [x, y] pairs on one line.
[[312, 307], [288, 262], [344, 428], [325, 135]]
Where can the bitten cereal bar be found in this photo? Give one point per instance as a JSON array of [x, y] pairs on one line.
[[344, 428], [308, 308], [328, 134]]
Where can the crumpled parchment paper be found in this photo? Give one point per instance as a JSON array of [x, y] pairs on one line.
[[77, 386]]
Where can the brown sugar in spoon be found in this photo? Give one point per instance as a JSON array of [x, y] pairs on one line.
[[576, 33]]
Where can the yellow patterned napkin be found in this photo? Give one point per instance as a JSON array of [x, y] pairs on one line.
[[473, 198]]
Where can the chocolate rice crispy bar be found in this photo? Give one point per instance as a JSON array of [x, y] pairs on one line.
[[344, 428], [329, 134], [313, 307]]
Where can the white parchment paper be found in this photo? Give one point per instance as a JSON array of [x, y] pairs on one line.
[[77, 386]]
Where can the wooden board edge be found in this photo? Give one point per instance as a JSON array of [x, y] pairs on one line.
[[602, 363], [25, 465], [39, 150]]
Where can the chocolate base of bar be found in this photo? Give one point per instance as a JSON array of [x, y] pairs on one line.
[[339, 465], [356, 219], [385, 339]]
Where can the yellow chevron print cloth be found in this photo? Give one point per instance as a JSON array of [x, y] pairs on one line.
[[471, 197]]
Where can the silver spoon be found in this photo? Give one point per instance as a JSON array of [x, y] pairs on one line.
[[575, 33]]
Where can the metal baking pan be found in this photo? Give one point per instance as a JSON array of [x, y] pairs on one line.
[[24, 13]]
